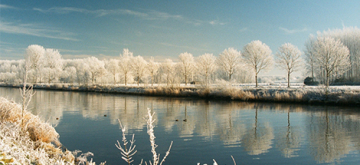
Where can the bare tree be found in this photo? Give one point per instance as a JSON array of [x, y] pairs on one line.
[[258, 56], [125, 64], [206, 65], [331, 55], [228, 60], [187, 65], [288, 58], [138, 65], [152, 67]]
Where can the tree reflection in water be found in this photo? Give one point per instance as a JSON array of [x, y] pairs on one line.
[[289, 140], [329, 140], [258, 140], [329, 133]]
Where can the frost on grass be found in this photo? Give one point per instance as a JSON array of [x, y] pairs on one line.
[[30, 141], [16, 147]]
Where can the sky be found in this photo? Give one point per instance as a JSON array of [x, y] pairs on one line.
[[164, 29]]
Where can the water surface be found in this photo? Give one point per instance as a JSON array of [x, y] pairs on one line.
[[254, 133]]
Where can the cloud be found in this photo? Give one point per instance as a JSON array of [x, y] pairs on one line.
[[2, 6], [216, 22], [149, 15], [62, 10], [144, 14], [293, 30], [34, 30]]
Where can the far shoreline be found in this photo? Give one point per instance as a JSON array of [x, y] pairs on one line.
[[316, 95]]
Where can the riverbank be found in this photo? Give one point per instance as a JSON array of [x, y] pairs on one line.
[[334, 95], [25, 139]]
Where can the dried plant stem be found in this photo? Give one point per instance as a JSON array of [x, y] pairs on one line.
[[233, 160], [167, 153], [150, 131], [126, 153], [26, 95]]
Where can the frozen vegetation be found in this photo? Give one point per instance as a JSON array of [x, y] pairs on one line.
[[298, 93], [28, 140], [331, 57]]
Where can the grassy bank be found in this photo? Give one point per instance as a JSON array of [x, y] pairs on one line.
[[300, 94], [28, 140], [304, 94]]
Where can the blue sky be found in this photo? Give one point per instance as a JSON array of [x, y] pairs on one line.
[[164, 29]]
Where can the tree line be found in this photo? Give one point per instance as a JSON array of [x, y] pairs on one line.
[[331, 56]]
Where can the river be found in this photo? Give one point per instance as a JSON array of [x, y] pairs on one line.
[[201, 130]]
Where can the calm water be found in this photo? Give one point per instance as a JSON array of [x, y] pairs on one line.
[[254, 133]]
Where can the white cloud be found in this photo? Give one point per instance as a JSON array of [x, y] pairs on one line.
[[2, 6], [150, 15], [216, 22], [34, 30], [144, 14], [291, 31]]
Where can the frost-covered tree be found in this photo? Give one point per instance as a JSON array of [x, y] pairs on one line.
[[310, 56], [82, 71], [125, 64], [258, 56], [187, 65], [229, 60], [96, 67], [350, 37], [33, 56], [206, 66], [52, 64], [138, 66], [70, 74], [331, 55], [288, 58], [152, 68], [112, 66], [10, 71], [168, 70]]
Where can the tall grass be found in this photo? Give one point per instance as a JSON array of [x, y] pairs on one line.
[[25, 139], [16, 147], [129, 152]]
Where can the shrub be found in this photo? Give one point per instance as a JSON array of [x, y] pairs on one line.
[[310, 81]]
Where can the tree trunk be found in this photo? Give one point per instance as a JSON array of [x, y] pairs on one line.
[[114, 80], [152, 79], [125, 79], [138, 82], [185, 79], [256, 81], [327, 78], [288, 79]]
